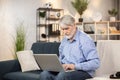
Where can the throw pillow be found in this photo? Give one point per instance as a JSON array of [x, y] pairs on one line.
[[27, 60]]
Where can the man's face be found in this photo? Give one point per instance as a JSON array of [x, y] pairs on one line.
[[69, 31]]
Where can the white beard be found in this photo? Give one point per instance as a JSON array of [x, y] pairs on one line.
[[71, 35]]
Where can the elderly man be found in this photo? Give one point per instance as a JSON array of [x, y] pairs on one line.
[[77, 52]]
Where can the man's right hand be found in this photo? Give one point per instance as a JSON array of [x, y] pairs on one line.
[[68, 66]]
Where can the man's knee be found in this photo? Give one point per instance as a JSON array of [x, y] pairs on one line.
[[45, 75], [62, 76]]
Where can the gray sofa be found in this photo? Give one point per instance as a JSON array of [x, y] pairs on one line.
[[10, 70]]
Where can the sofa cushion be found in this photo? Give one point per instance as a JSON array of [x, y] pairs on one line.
[[30, 75], [27, 60]]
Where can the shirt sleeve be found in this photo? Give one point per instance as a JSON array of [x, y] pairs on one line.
[[89, 51], [60, 52]]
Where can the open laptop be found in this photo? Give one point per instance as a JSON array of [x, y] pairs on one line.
[[49, 62]]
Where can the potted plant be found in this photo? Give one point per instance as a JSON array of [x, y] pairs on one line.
[[80, 6], [42, 15], [113, 14], [20, 39]]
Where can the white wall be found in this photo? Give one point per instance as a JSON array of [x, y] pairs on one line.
[[13, 12]]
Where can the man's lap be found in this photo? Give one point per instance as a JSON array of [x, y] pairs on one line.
[[74, 75]]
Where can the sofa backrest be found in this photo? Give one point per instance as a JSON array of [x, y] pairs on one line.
[[45, 47]]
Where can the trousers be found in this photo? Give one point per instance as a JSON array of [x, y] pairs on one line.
[[74, 75]]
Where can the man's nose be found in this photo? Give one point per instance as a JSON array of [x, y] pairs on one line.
[[64, 31]]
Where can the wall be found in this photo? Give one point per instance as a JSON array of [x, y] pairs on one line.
[[15, 12]]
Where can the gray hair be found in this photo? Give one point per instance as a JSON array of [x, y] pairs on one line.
[[66, 20]]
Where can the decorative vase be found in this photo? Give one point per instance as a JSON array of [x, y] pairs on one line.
[[112, 18], [80, 19], [48, 5]]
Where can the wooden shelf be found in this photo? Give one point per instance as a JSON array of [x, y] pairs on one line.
[[45, 25], [100, 30], [54, 19], [101, 34], [114, 34], [39, 25], [101, 22], [49, 25], [114, 21], [49, 9]]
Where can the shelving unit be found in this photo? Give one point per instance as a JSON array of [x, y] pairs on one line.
[[101, 30], [115, 33], [47, 27]]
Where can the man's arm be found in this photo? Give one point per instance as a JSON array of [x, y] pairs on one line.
[[60, 51], [90, 53]]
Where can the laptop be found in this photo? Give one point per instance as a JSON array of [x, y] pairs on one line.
[[49, 62]]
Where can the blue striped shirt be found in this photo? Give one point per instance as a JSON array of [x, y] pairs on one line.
[[81, 52]]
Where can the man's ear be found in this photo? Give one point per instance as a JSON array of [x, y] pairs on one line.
[[74, 25]]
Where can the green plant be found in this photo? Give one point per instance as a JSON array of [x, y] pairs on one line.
[[113, 12], [20, 38], [80, 5], [42, 14]]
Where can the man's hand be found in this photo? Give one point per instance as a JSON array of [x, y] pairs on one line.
[[68, 66]]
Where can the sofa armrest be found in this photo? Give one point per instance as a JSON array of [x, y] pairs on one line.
[[8, 66]]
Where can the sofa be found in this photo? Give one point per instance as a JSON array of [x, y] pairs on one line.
[[109, 53], [11, 70]]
